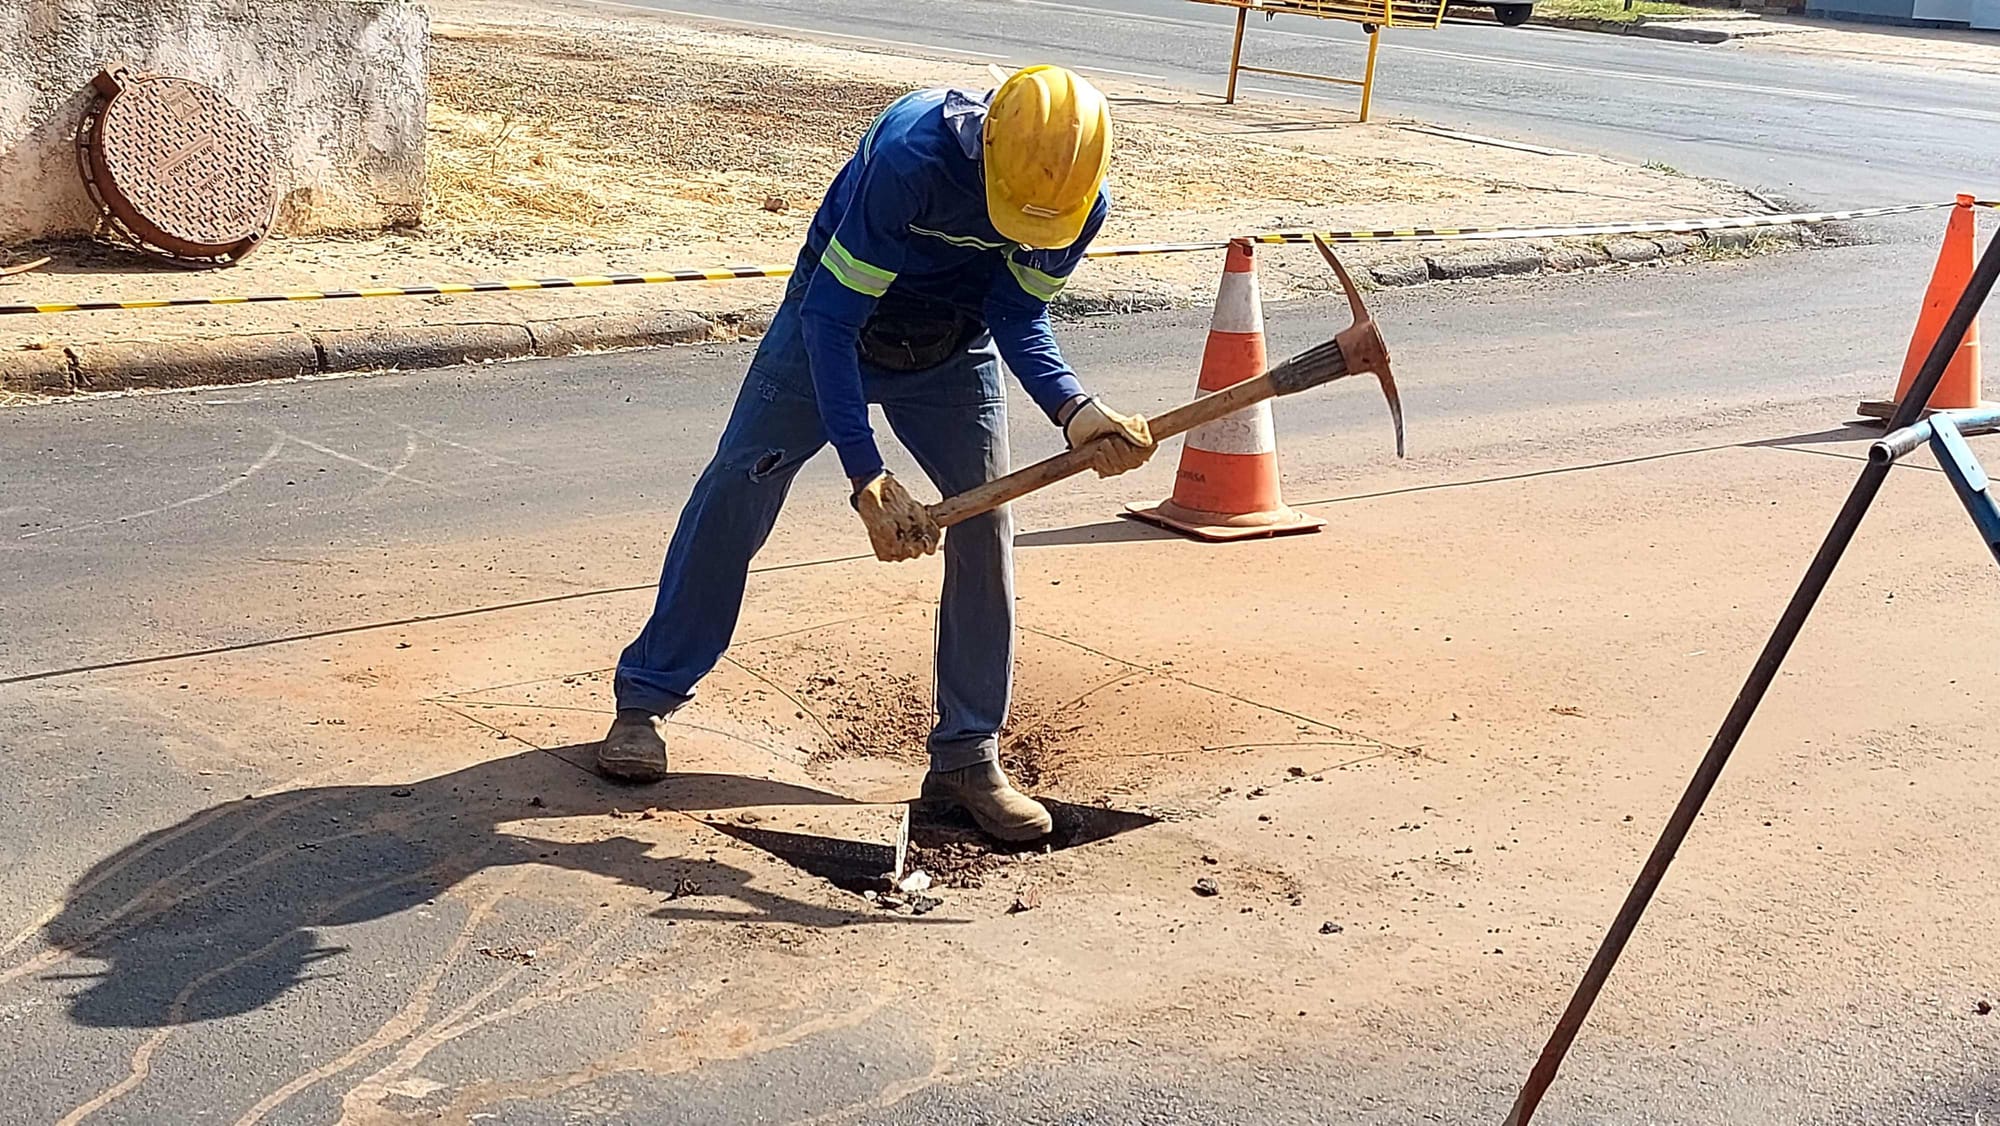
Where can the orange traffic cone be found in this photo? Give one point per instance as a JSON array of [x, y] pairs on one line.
[[1959, 388], [1227, 487]]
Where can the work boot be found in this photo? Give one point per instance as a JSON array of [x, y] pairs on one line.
[[635, 749], [1002, 811]]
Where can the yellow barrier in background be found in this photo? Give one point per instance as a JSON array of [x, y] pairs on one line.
[[1372, 15]]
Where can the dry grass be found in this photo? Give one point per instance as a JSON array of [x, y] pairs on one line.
[[482, 172], [551, 139], [640, 136]]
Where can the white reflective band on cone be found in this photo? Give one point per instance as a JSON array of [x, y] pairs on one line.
[[1238, 307], [1248, 431]]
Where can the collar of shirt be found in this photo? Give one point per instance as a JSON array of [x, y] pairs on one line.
[[965, 116]]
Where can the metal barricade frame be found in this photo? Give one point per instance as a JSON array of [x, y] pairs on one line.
[[1372, 15]]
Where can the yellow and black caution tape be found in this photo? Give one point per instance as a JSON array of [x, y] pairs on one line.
[[508, 285], [732, 273], [1649, 227]]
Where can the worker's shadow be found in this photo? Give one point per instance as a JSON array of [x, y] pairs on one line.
[[219, 915]]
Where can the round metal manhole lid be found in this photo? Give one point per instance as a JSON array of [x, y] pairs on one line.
[[193, 171]]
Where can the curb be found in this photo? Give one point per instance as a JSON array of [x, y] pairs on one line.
[[218, 361], [222, 360], [1557, 258], [1670, 31], [1638, 29]]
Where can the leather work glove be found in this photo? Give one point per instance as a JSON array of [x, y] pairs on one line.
[[1126, 439], [898, 527]]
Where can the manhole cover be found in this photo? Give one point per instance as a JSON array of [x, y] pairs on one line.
[[175, 168]]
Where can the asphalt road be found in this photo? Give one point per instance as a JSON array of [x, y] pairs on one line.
[[124, 517], [1817, 130]]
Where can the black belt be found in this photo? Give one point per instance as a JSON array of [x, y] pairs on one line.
[[915, 339]]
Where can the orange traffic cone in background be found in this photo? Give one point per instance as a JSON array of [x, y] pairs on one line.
[[1227, 487], [1959, 388]]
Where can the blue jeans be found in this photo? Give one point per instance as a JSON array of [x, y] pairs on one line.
[[953, 420]]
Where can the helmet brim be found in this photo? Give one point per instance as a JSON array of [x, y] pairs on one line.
[[1035, 232]]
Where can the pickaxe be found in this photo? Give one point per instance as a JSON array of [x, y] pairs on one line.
[[1357, 350]]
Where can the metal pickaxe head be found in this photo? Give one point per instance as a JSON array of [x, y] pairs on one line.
[[1361, 342]]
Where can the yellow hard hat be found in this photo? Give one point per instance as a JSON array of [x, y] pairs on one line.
[[1048, 143]]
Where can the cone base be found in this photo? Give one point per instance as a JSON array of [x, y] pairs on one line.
[[1884, 409], [1221, 527]]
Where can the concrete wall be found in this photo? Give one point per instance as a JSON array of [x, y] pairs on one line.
[[338, 85]]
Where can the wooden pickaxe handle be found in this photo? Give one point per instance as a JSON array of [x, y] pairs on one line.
[[1358, 350]]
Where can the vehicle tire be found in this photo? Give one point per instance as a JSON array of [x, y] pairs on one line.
[[1513, 15]]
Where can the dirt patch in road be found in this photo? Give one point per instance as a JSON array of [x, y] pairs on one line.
[[952, 850], [883, 708], [1085, 726], [871, 713], [1032, 752], [889, 715]]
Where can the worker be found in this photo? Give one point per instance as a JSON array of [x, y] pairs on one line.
[[933, 257]]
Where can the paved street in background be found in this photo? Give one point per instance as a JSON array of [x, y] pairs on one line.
[[1817, 130]]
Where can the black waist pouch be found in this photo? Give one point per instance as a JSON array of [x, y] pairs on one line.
[[914, 339]]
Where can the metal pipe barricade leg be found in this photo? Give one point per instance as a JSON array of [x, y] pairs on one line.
[[1236, 55], [1968, 480], [1368, 78]]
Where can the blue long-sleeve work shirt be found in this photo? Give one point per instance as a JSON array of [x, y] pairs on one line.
[[906, 220]]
